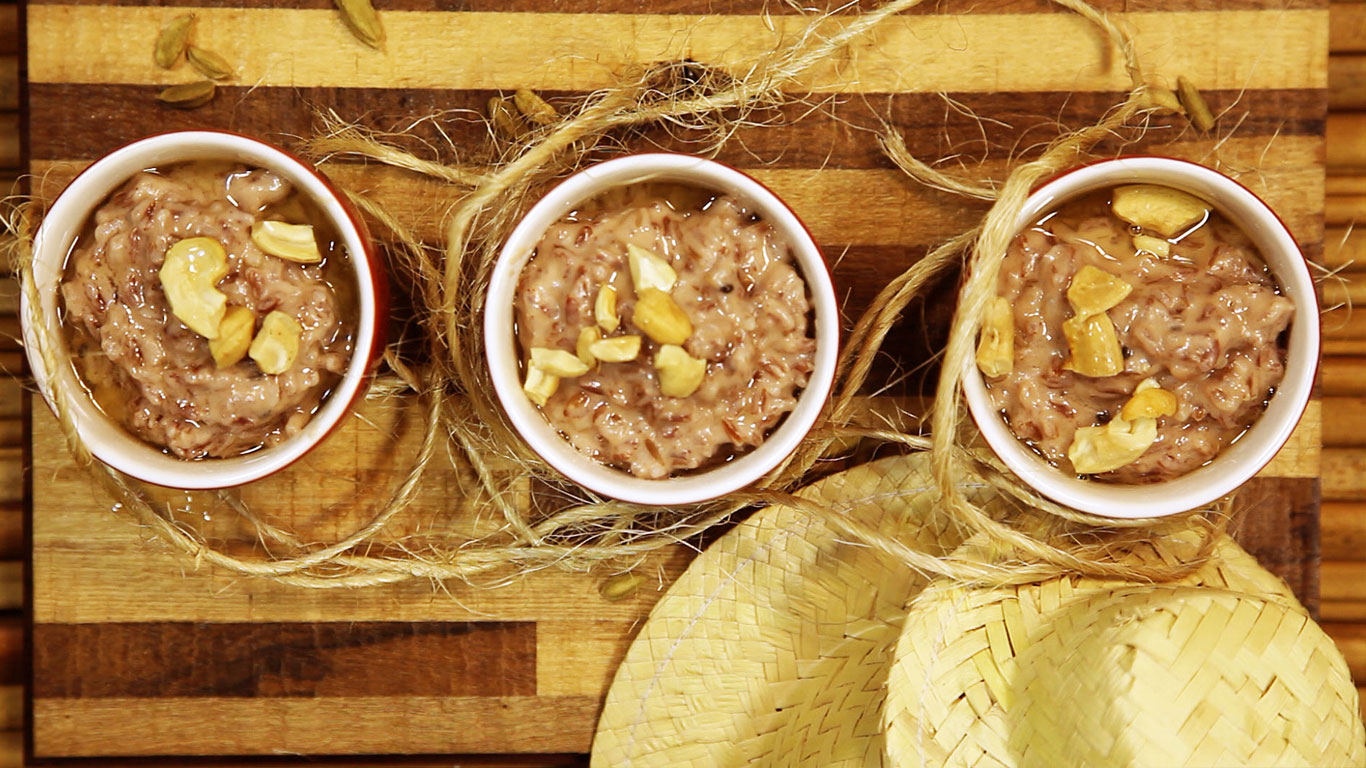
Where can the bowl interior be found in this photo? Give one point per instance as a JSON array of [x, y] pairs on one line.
[[1259, 444], [501, 346], [106, 439]]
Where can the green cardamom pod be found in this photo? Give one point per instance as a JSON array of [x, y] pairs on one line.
[[188, 95], [361, 18], [209, 64], [172, 41], [533, 107]]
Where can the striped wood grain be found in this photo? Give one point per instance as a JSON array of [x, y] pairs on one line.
[[98, 587]]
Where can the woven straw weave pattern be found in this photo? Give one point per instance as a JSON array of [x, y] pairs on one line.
[[773, 648], [1080, 672]]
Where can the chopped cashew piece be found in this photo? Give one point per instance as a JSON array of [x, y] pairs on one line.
[[291, 242], [1095, 346], [557, 362], [680, 374], [649, 271], [584, 347], [277, 343], [1154, 245], [1094, 291], [618, 349], [1148, 402], [188, 275], [996, 349], [605, 309], [1109, 447], [234, 337], [660, 317], [540, 385], [1164, 210]]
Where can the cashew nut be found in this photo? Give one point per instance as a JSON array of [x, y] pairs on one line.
[[680, 374], [1102, 449], [557, 362], [605, 309], [1095, 346], [188, 275], [618, 349], [539, 385], [277, 343], [996, 348], [234, 336], [1164, 210], [292, 242], [1148, 402], [1094, 291], [649, 271], [1154, 245], [660, 317], [584, 347]]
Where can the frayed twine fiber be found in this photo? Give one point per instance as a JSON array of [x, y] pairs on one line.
[[1037, 539]]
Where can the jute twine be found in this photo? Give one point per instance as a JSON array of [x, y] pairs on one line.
[[462, 420], [1221, 668]]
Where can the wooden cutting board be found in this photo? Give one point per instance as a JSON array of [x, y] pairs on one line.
[[136, 652]]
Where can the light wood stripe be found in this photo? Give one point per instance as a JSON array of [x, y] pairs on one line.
[[363, 725], [580, 658], [1343, 530], [1344, 474], [1342, 610], [1343, 581], [1351, 641], [1345, 422], [1345, 134], [727, 7], [1344, 376], [89, 563], [1344, 247], [1233, 49]]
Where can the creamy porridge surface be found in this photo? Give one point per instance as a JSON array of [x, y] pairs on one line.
[[154, 374], [1203, 322], [739, 288]]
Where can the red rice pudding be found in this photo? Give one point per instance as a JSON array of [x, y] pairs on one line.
[[208, 308], [1135, 335], [663, 328]]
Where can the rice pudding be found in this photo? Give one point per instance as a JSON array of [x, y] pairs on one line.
[[208, 308], [1136, 333], [663, 328]]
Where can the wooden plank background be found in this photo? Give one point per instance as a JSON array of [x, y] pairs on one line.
[[135, 654]]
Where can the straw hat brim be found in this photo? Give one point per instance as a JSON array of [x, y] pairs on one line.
[[1223, 668], [773, 647]]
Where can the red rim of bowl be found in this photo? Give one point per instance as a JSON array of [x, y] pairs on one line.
[[1318, 339], [815, 246], [378, 279]]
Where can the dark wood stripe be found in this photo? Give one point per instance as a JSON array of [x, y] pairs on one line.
[[1280, 527], [734, 7], [85, 122], [285, 660], [11, 648]]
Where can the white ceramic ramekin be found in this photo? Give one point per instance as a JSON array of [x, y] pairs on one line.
[[1255, 449], [501, 346], [107, 440]]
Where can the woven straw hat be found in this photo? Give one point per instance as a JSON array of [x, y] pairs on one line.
[[773, 647], [1222, 669]]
